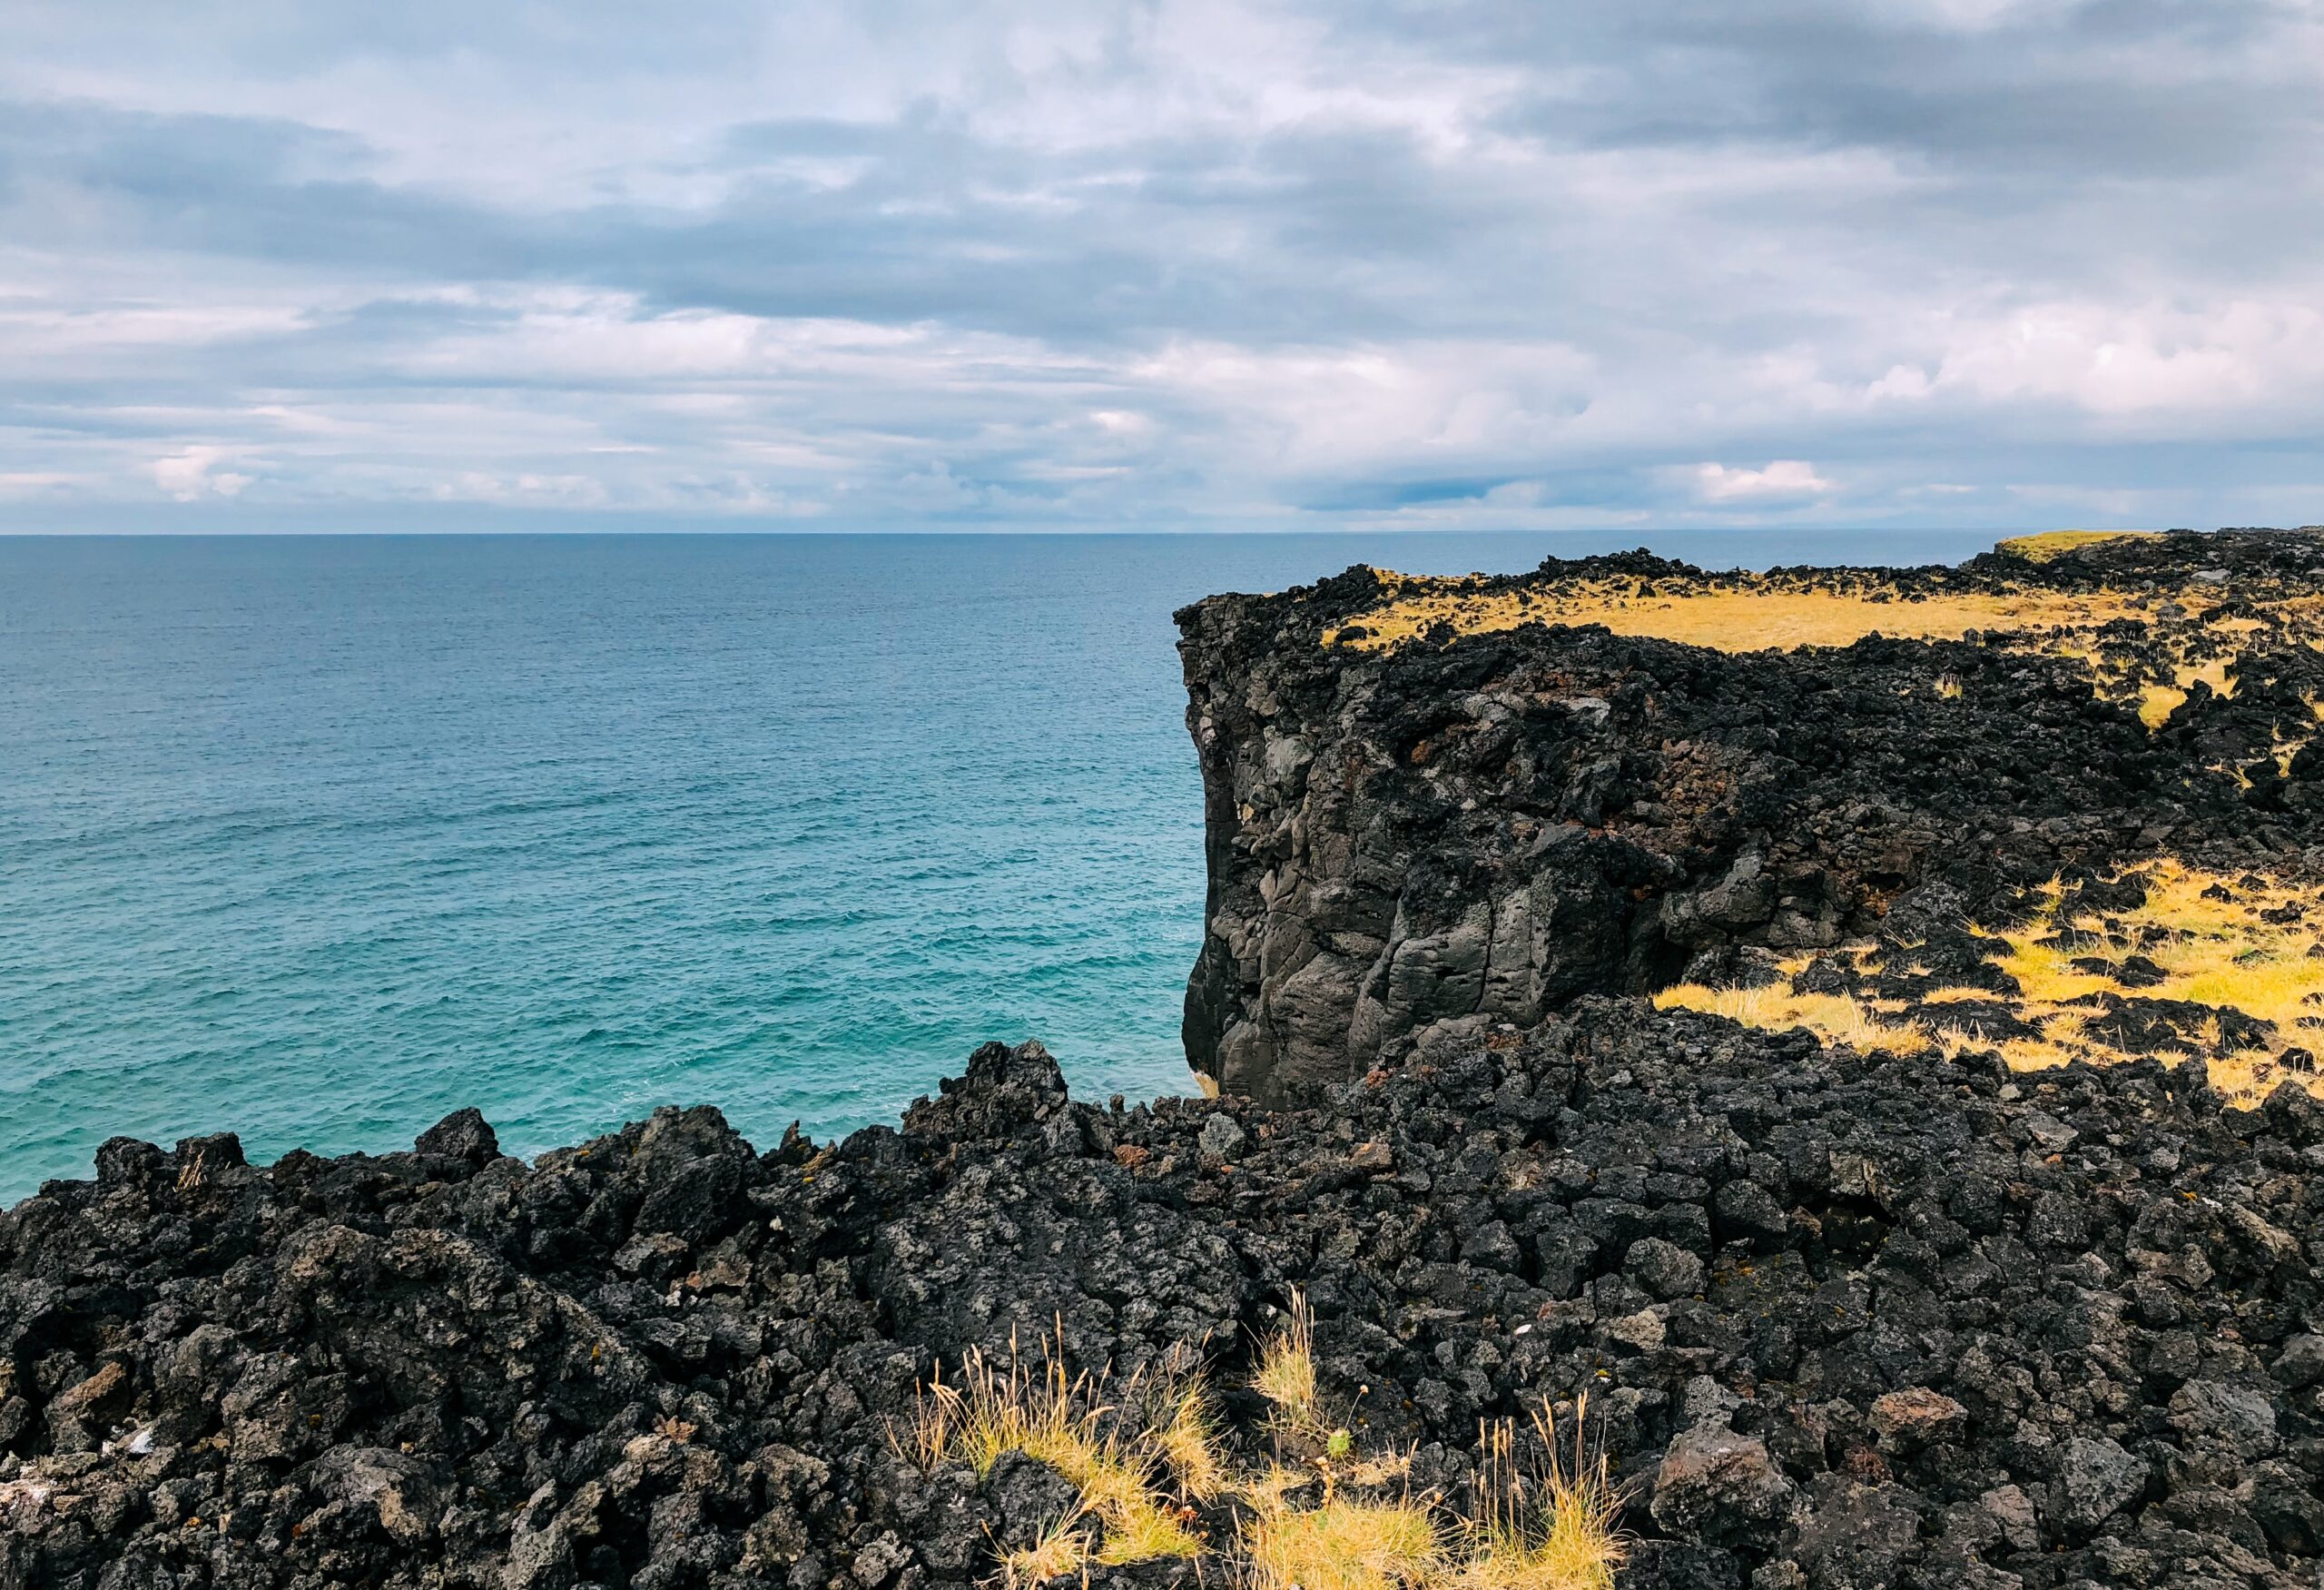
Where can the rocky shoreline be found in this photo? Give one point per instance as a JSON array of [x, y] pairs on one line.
[[1840, 1316]]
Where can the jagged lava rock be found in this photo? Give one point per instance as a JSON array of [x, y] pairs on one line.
[[662, 1358], [1473, 829]]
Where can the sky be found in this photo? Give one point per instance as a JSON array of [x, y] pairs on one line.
[[869, 265]]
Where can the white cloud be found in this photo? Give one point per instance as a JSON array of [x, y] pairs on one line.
[[2244, 354], [1167, 261], [1783, 480], [191, 473], [139, 329], [1321, 410]]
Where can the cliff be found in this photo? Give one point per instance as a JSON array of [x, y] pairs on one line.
[[1915, 1234], [1436, 806]]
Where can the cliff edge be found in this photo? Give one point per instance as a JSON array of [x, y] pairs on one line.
[[1458, 805]]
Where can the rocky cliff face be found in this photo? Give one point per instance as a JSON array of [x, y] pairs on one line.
[[1516, 805]]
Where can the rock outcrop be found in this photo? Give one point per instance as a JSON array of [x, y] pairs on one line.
[[1840, 1321], [1512, 804]]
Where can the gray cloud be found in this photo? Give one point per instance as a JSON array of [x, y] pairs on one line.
[[1985, 262]]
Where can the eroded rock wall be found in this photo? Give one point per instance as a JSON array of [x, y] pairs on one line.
[[1471, 831]]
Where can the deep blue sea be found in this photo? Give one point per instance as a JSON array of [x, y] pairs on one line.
[[318, 838]]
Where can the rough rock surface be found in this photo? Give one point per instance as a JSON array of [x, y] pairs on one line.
[[1843, 1322], [1473, 830]]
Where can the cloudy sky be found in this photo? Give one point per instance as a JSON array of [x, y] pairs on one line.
[[2010, 262]]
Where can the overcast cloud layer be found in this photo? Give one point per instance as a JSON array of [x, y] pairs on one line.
[[1171, 265]]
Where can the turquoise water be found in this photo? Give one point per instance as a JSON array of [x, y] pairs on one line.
[[316, 839]]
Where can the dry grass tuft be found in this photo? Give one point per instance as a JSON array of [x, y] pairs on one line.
[[1186, 1433], [1347, 1543], [1543, 1524], [1064, 1422], [1063, 1550], [1272, 1490], [1144, 1532], [997, 1408], [1287, 1373], [1546, 1525]]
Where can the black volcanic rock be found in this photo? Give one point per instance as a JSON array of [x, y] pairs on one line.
[[1840, 1321], [1473, 830]]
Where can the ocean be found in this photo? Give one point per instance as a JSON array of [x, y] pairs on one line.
[[316, 839]]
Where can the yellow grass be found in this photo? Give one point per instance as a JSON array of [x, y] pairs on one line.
[[2210, 951], [2211, 672], [2158, 702], [1834, 1017], [1142, 1532], [1271, 1491], [1064, 1423], [1754, 616], [1544, 1524], [1949, 996], [1784, 611], [1063, 1550], [1551, 1525], [1287, 1373], [2051, 544], [1347, 1544], [1187, 1439]]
